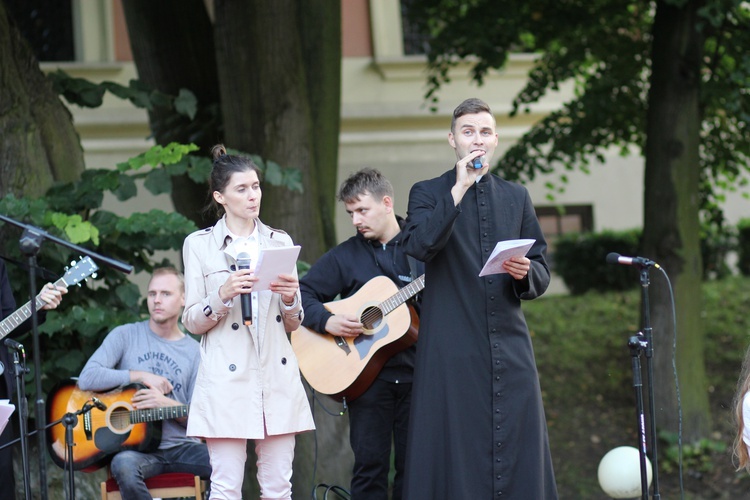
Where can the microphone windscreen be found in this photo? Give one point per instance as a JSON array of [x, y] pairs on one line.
[[613, 258]]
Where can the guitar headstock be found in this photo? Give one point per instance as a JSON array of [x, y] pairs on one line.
[[79, 271]]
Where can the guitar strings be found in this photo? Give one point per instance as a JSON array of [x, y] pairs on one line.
[[375, 312]]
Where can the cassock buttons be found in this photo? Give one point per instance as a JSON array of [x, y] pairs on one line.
[[232, 268], [232, 367], [283, 361], [278, 318], [235, 326]]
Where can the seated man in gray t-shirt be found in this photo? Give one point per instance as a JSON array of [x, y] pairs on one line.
[[159, 355]]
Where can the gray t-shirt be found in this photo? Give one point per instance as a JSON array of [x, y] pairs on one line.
[[135, 347]]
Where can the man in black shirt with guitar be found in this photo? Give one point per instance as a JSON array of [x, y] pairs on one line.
[[359, 351]]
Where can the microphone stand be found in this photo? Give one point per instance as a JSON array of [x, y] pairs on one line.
[[649, 349], [70, 421], [637, 346], [30, 243], [643, 343], [19, 371]]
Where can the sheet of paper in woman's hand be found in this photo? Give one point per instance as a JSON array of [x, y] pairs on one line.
[[503, 251], [272, 262]]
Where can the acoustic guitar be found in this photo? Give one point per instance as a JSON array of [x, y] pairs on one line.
[[99, 434], [73, 276], [344, 367]]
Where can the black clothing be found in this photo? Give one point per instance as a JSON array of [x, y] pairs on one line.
[[477, 427], [8, 385], [379, 417]]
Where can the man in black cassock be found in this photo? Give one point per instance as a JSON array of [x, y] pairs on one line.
[[477, 425]]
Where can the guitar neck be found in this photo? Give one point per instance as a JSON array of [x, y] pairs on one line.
[[154, 414], [23, 313], [402, 295]]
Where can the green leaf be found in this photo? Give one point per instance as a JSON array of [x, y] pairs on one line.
[[186, 103], [126, 188], [158, 181], [128, 293], [70, 360], [273, 174]]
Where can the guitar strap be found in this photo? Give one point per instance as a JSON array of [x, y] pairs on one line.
[[417, 299]]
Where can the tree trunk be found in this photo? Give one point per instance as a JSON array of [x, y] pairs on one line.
[[279, 73], [279, 66], [38, 143], [173, 48], [671, 226]]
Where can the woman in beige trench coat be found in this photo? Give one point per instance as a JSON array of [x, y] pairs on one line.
[[249, 384]]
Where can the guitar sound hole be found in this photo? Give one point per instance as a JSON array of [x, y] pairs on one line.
[[371, 318], [120, 419]]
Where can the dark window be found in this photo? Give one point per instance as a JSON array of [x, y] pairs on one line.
[[47, 25], [414, 42], [558, 220], [565, 219]]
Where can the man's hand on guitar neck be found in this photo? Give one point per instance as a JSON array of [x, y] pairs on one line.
[[344, 325], [52, 295], [151, 380]]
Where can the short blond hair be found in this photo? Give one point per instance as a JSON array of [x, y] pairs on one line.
[[159, 271]]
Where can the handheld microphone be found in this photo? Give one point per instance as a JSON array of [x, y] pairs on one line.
[[14, 345], [616, 258], [246, 302], [99, 404]]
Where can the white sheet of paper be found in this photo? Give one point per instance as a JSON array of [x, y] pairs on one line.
[[272, 262], [503, 251], [6, 410]]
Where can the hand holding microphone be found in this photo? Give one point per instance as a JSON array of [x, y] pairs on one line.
[[246, 302]]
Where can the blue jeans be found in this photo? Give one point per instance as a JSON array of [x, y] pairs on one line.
[[378, 419], [131, 468]]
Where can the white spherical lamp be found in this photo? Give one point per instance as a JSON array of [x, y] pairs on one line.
[[620, 472]]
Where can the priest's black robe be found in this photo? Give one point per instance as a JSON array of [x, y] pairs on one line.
[[477, 427]]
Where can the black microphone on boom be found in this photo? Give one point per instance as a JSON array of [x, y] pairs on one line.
[[14, 345], [243, 262], [616, 258]]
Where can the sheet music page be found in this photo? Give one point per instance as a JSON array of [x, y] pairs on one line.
[[503, 251], [272, 262], [6, 410]]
